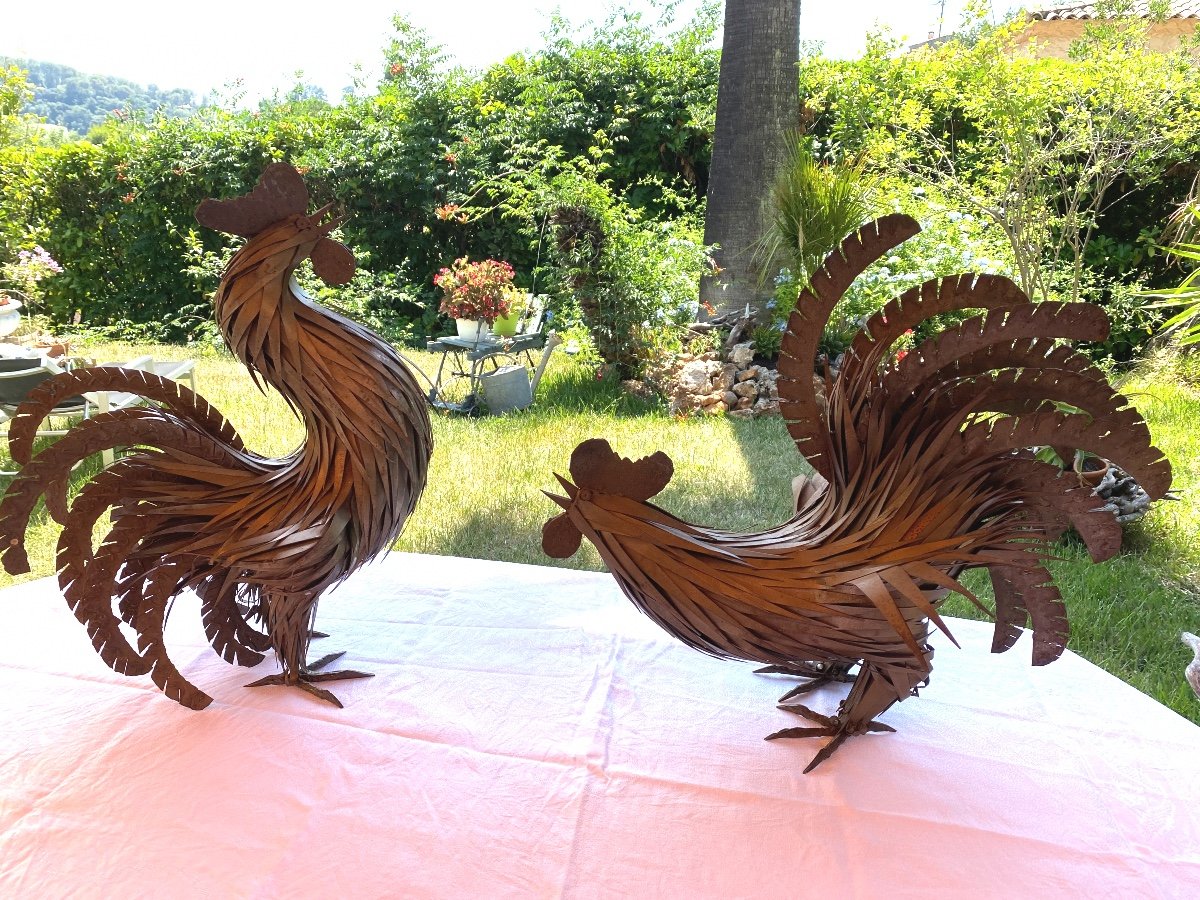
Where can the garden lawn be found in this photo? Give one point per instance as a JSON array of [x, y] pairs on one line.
[[484, 496]]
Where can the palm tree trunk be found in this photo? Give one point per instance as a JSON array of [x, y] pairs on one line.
[[757, 103]]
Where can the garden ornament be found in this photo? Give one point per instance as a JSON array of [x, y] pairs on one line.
[[922, 470], [259, 539]]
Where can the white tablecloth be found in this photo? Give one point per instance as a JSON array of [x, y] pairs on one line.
[[529, 734]]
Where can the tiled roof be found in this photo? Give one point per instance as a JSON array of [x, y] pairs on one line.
[[1176, 9]]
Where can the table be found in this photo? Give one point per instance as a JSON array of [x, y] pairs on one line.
[[468, 360], [529, 734]]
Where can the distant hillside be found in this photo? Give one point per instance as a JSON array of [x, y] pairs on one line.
[[64, 96]]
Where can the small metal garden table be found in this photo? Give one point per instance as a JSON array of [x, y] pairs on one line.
[[464, 361]]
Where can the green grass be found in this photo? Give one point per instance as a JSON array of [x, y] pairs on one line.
[[484, 496]]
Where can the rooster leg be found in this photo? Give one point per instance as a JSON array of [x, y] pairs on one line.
[[817, 673], [305, 680], [873, 693], [308, 675], [289, 621]]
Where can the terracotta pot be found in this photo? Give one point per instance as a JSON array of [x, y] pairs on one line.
[[1091, 470], [53, 349]]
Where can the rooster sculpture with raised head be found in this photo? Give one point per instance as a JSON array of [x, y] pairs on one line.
[[259, 539], [923, 468]]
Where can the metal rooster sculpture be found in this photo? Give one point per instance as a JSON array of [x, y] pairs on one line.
[[259, 539], [922, 470]]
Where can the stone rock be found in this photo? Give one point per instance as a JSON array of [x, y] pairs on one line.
[[715, 409], [819, 389], [683, 402], [1124, 497], [765, 407], [746, 389], [744, 403], [726, 377], [639, 389], [741, 355], [693, 377], [710, 355], [709, 399], [730, 398], [741, 414], [748, 374]]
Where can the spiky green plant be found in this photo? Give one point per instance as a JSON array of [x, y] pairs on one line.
[[814, 205], [1185, 324]]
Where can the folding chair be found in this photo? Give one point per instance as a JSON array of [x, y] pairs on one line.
[[18, 378]]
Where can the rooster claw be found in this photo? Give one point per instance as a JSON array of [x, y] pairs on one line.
[[818, 675], [812, 715], [307, 677], [830, 726], [324, 661]]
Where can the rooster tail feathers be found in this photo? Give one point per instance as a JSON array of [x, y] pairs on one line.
[[935, 297], [799, 402], [169, 394], [1029, 594]]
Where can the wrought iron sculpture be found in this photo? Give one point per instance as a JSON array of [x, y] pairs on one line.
[[922, 469], [259, 539]]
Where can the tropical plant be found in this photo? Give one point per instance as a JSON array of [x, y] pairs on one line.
[[814, 205], [1184, 324], [756, 105]]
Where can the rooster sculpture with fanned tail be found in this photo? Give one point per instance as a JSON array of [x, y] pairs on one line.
[[924, 467], [258, 539]]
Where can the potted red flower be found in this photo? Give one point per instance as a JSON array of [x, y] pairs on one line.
[[475, 294]]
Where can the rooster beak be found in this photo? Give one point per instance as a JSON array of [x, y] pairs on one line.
[[567, 486], [561, 501], [327, 227]]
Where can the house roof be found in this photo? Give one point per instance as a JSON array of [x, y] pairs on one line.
[[1176, 9]]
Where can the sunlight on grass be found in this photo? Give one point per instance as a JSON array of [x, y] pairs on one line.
[[484, 498]]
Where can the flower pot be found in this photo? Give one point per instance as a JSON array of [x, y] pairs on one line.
[[10, 316], [506, 326], [473, 329], [1091, 470]]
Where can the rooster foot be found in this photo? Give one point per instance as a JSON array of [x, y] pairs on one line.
[[307, 677], [835, 727], [817, 673]]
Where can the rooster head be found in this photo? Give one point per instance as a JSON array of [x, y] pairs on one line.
[[597, 469], [280, 200]]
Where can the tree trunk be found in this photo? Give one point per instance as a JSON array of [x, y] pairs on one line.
[[757, 104]]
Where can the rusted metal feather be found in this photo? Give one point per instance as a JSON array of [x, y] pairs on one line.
[[924, 470], [257, 538]]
